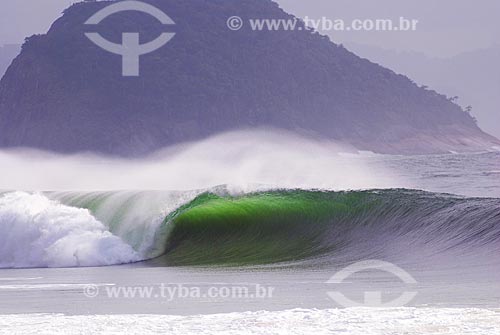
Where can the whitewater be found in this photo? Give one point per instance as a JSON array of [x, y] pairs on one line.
[[409, 321], [80, 221], [278, 210]]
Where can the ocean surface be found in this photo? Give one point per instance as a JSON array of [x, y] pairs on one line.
[[267, 259]]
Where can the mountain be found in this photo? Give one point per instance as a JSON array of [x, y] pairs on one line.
[[7, 53], [473, 76], [64, 93]]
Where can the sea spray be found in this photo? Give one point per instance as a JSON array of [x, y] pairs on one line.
[[38, 232], [242, 159]]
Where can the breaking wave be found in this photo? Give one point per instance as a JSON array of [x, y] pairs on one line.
[[38, 232], [217, 227]]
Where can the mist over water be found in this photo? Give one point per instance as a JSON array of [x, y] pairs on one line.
[[52, 202], [242, 159], [70, 223], [87, 210]]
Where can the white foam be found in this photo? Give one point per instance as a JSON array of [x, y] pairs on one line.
[[353, 321], [38, 232]]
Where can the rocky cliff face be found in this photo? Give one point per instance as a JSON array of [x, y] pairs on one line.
[[64, 93]]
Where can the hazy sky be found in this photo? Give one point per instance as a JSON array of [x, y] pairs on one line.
[[22, 18], [446, 27]]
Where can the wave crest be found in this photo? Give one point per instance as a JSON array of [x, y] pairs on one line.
[[38, 232]]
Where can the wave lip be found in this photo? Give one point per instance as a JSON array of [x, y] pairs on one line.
[[38, 232]]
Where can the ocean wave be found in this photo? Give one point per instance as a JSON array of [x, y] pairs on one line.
[[38, 232], [324, 226], [218, 227]]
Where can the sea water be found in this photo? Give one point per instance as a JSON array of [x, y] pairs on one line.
[[458, 291]]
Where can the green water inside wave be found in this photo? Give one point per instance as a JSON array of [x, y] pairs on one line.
[[257, 228], [287, 225]]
